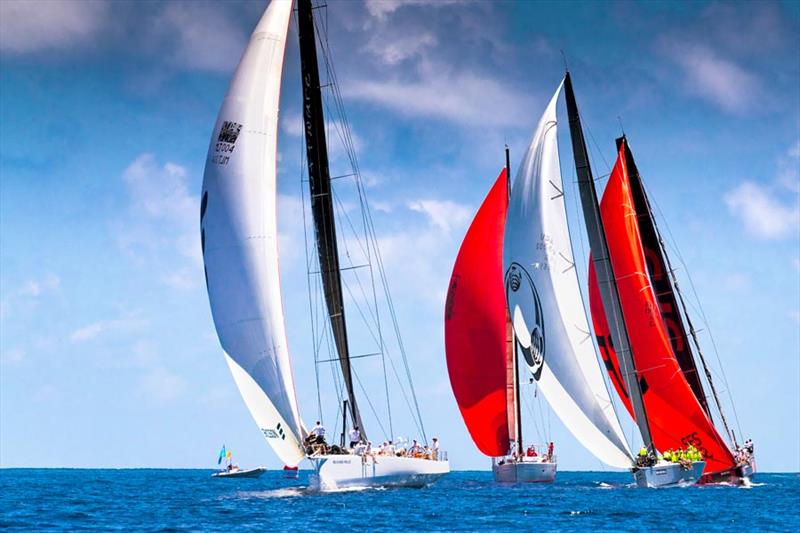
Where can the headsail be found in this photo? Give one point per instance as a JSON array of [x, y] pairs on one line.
[[675, 416], [239, 237], [545, 303], [475, 326]]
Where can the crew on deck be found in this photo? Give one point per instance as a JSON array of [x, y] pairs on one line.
[[355, 436]]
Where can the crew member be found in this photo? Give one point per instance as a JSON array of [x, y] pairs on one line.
[[355, 436], [319, 432]]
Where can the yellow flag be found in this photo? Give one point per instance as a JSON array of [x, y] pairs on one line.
[[228, 454]]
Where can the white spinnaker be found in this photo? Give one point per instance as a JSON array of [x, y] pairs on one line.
[[545, 302], [240, 238]]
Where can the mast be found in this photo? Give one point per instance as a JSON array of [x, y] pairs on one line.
[[602, 264], [514, 360], [322, 198], [517, 406], [667, 291]]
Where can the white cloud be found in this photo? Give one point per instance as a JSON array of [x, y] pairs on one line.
[[381, 9], [763, 215], [396, 50], [789, 168], [420, 259], [464, 98], [443, 214], [14, 356], [102, 327], [160, 385], [735, 282], [292, 124], [159, 192], [713, 77], [36, 287], [32, 26], [200, 35], [163, 219]]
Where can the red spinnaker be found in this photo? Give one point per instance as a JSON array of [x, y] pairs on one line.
[[475, 326], [676, 417]]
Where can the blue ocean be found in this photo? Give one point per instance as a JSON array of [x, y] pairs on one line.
[[190, 500]]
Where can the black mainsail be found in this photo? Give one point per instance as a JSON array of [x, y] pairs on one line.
[[322, 198], [667, 292], [658, 272], [602, 264]]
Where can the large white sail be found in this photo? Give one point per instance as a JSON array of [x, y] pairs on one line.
[[239, 234], [545, 303]]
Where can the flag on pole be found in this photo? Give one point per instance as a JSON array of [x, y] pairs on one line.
[[222, 454]]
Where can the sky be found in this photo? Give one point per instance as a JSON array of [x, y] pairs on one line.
[[108, 354]]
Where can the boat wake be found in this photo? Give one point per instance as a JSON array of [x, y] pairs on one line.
[[317, 490], [289, 492]]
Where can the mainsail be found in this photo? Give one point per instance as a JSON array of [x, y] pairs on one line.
[[545, 303], [475, 327], [239, 237], [658, 272], [675, 415], [322, 199]]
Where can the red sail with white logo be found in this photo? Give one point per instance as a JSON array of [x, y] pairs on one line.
[[675, 415], [476, 326]]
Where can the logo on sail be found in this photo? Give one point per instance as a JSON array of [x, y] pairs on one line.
[[276, 433], [527, 316], [229, 132]]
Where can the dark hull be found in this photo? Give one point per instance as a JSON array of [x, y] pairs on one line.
[[734, 476]]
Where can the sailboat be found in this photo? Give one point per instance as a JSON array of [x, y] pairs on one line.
[[514, 290], [239, 237], [639, 328], [481, 354], [678, 409], [231, 470]]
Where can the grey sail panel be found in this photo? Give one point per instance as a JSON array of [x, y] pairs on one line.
[[602, 263]]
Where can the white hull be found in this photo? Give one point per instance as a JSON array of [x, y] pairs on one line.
[[524, 472], [253, 472], [333, 472], [668, 475]]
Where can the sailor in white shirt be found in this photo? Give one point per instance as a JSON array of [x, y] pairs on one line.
[[355, 436], [359, 448], [319, 432], [435, 449]]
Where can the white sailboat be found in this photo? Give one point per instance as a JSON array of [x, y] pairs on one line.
[[514, 290], [240, 251], [545, 304], [545, 309]]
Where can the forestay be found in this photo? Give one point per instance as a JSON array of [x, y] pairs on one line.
[[239, 237], [545, 303]]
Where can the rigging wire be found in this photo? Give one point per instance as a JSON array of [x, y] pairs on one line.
[[707, 326], [344, 133]]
